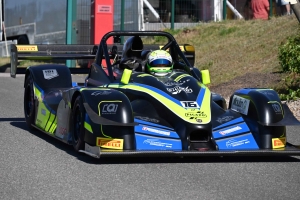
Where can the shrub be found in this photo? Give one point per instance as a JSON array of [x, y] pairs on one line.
[[290, 87], [289, 55]]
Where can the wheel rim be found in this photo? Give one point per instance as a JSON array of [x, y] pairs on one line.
[[77, 124]]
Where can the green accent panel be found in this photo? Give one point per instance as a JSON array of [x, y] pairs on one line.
[[126, 76], [53, 127], [52, 120], [37, 93], [205, 77], [88, 127]]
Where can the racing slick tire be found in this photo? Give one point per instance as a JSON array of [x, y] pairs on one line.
[[77, 124], [29, 103]]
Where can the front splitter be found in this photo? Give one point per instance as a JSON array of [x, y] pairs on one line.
[[290, 150]]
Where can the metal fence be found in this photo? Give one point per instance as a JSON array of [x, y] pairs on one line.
[[83, 21], [157, 14], [162, 14]]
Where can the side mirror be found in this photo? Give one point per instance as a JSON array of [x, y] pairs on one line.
[[205, 76]]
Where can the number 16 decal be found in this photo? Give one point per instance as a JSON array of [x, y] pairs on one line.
[[189, 104]]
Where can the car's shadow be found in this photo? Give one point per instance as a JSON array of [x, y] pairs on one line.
[[20, 123]]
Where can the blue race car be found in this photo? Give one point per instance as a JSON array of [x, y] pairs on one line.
[[141, 99]]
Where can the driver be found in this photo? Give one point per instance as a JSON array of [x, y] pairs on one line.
[[159, 63]]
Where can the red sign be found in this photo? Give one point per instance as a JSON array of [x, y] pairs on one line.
[[102, 20]]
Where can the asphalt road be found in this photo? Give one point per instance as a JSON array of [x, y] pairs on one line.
[[36, 166]]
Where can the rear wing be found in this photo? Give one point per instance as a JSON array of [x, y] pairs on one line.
[[74, 52], [50, 53]]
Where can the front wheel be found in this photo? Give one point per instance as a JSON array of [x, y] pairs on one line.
[[29, 104], [78, 114]]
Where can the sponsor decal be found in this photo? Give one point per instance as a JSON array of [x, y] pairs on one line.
[[110, 108], [100, 93], [109, 143], [156, 131], [224, 119], [38, 121], [62, 130], [240, 104], [147, 119], [231, 130], [43, 111], [144, 142], [56, 94], [104, 9], [177, 90], [235, 143], [278, 142], [276, 108], [189, 104], [195, 115], [267, 93], [50, 73], [245, 141], [172, 83], [27, 48], [156, 142]]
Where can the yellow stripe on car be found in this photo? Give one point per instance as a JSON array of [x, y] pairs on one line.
[[88, 127], [174, 107], [181, 76]]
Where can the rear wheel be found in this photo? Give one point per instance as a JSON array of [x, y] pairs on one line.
[[78, 114], [29, 104]]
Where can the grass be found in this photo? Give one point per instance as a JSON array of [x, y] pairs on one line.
[[234, 47]]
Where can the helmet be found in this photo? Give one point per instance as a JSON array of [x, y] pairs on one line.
[[159, 62]]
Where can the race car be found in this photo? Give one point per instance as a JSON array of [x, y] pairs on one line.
[[120, 109]]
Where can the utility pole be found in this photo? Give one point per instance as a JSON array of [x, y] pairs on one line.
[[71, 27]]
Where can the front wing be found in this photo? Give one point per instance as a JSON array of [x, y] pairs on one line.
[[289, 150]]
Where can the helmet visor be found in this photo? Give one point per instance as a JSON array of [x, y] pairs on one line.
[[160, 63]]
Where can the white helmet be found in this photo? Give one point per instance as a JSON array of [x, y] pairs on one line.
[[159, 62]]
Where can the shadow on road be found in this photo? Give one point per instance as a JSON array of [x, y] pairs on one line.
[[47, 138], [20, 123], [11, 119], [149, 160]]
